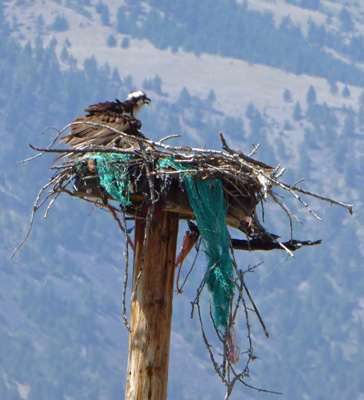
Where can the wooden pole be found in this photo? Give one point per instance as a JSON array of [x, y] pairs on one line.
[[151, 308]]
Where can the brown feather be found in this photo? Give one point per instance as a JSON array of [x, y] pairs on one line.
[[93, 128]]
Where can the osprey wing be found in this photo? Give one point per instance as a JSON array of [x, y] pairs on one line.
[[94, 127], [111, 108]]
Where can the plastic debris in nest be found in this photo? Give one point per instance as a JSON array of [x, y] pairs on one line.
[[206, 198]]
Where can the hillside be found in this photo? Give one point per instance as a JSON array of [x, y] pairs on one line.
[[61, 296], [235, 82]]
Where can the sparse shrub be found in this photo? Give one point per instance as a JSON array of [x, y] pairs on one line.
[[311, 96], [287, 96], [346, 92], [64, 55], [60, 24], [297, 112], [40, 23], [125, 43], [333, 86], [111, 41]]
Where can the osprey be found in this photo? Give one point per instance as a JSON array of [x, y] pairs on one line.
[[92, 128]]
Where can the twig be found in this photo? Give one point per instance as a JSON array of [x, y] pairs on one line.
[[254, 307], [26, 161], [208, 346], [349, 207], [126, 259], [168, 138], [192, 266], [255, 150], [34, 210], [122, 228]]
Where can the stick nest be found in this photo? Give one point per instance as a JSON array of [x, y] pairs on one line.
[[147, 172]]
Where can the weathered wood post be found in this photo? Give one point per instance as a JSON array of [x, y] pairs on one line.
[[151, 307]]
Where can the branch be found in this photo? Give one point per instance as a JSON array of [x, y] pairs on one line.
[[349, 207], [240, 154]]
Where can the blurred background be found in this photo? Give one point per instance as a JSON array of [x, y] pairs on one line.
[[287, 75]]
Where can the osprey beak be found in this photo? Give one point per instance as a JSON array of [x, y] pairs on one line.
[[147, 101]]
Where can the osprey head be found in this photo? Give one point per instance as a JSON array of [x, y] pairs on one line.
[[138, 99]]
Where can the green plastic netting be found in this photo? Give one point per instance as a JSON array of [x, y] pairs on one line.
[[113, 173], [206, 199]]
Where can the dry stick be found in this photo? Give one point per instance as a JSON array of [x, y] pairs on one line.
[[185, 171], [241, 296], [126, 258], [148, 221], [239, 377], [241, 156], [90, 149], [240, 289], [122, 228], [26, 161], [255, 149], [27, 233], [207, 344], [258, 389], [250, 350], [225, 361], [176, 135], [290, 190], [56, 191], [349, 207], [226, 365], [279, 173], [148, 172], [286, 210], [51, 204], [154, 144], [293, 189], [256, 310], [241, 277], [186, 158], [200, 288], [193, 265], [150, 214], [36, 206]]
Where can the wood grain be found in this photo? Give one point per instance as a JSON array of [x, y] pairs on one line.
[[151, 309]]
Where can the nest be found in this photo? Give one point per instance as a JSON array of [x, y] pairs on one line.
[[151, 172], [155, 175]]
